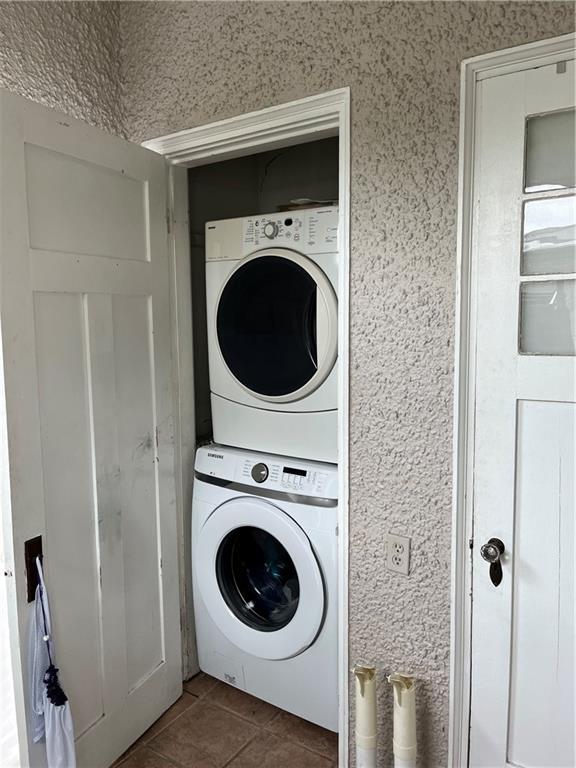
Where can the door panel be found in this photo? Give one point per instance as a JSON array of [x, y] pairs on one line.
[[110, 208], [69, 547], [86, 334], [542, 661], [132, 324]]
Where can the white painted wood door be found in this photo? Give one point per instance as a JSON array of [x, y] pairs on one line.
[[86, 332], [522, 685]]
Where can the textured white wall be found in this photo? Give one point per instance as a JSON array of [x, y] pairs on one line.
[[64, 55], [185, 64]]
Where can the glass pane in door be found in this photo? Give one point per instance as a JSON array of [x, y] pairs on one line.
[[549, 236], [550, 155], [547, 317]]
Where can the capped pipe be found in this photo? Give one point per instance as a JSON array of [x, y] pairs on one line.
[[404, 720], [365, 716]]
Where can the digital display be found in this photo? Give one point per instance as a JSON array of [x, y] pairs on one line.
[[289, 471]]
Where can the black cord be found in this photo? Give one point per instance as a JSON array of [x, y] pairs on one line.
[[54, 690]]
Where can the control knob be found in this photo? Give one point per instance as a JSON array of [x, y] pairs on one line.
[[259, 472], [270, 230]]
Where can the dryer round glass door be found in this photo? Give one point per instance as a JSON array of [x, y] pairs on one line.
[[259, 578], [276, 324]]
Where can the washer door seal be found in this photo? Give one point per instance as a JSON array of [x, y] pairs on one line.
[[259, 578]]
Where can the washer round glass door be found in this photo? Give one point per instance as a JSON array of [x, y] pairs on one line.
[[259, 578], [276, 323]]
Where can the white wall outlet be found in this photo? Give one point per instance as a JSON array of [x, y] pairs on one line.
[[397, 553]]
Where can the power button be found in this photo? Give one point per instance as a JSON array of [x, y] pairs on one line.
[[259, 472]]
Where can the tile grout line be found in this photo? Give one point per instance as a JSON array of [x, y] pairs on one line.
[[145, 743], [295, 741], [329, 760], [175, 763], [239, 752], [243, 717]]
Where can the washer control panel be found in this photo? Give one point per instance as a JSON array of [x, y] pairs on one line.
[[306, 478], [282, 475]]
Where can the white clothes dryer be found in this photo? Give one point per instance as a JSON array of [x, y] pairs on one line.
[[265, 578], [271, 293]]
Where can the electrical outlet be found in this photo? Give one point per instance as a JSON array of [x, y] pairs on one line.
[[397, 553]]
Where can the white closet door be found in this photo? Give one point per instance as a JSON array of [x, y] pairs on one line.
[[523, 642], [86, 333]]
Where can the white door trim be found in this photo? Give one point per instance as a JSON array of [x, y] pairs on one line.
[[308, 119], [473, 70], [299, 121]]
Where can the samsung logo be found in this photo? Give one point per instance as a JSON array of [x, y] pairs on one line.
[[216, 455]]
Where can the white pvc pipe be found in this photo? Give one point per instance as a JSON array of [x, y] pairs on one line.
[[365, 716], [404, 721]]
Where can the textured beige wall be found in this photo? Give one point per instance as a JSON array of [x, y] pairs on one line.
[[190, 63], [64, 55]]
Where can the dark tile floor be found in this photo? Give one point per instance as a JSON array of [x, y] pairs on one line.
[[214, 725]]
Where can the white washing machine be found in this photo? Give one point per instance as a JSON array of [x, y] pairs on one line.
[[264, 578], [271, 291]]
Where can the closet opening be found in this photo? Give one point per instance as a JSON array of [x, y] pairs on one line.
[[262, 560]]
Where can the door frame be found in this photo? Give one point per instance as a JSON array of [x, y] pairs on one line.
[[296, 122], [473, 71]]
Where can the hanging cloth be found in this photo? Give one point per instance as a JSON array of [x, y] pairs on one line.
[[50, 715]]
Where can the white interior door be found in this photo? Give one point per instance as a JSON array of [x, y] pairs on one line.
[[522, 694], [86, 334]]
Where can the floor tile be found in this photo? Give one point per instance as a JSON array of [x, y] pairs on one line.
[[185, 701], [242, 704], [204, 731], [180, 706], [269, 751], [195, 758], [145, 758], [311, 736], [200, 684]]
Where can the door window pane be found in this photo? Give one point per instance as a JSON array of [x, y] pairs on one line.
[[547, 318], [550, 161], [257, 579], [549, 239]]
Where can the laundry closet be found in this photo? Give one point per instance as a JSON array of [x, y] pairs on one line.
[[264, 275]]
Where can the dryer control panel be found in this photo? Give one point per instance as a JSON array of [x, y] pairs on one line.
[[309, 231], [265, 471]]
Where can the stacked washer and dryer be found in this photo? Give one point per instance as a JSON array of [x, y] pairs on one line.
[[264, 516]]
